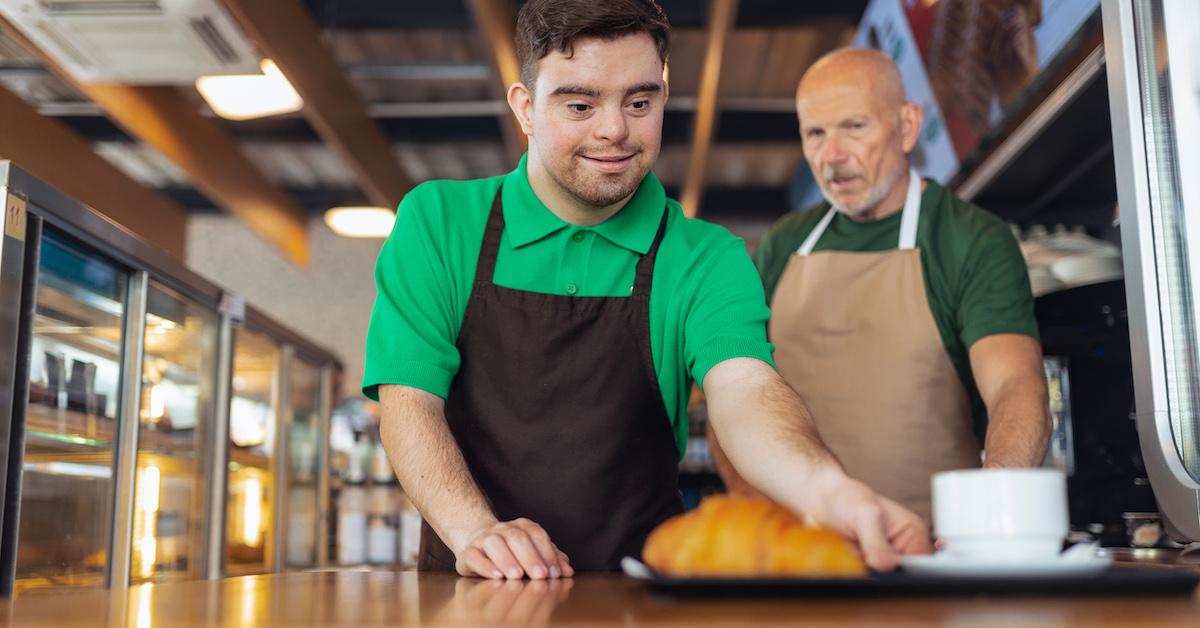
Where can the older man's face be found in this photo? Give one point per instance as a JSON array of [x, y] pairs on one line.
[[852, 140]]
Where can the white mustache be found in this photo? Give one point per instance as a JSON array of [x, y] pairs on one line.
[[830, 175]]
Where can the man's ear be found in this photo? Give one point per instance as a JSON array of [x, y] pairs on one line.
[[520, 100], [911, 117], [666, 82]]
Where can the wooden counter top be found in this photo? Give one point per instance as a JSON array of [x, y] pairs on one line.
[[362, 598]]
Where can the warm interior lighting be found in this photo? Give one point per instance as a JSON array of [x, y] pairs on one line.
[[158, 401], [246, 96], [145, 524], [361, 222], [252, 515]]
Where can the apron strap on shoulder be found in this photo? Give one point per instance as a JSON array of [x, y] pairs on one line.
[[811, 241], [912, 212]]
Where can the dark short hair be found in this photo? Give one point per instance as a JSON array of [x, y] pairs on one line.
[[544, 26]]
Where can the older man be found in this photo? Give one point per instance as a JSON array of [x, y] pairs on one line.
[[897, 308]]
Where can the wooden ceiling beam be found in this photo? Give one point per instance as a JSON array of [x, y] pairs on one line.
[[497, 19], [162, 117], [65, 160], [721, 17], [286, 32]]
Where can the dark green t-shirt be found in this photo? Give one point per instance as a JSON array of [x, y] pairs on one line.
[[976, 281], [705, 303]]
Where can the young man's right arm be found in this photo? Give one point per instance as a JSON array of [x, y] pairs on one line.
[[431, 469], [769, 264]]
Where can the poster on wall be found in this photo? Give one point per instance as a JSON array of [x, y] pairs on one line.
[[884, 27], [967, 61]]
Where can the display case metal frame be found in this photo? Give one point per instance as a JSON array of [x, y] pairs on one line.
[[41, 205], [1177, 492]]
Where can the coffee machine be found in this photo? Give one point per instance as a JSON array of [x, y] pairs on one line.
[[1085, 338]]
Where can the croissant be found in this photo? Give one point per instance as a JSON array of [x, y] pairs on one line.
[[740, 536]]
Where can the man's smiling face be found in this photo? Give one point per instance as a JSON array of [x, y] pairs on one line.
[[595, 121]]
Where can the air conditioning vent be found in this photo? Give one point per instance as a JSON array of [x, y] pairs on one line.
[[64, 45], [136, 41], [216, 42], [102, 7]]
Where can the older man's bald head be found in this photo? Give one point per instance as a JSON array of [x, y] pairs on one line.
[[857, 130], [869, 70]]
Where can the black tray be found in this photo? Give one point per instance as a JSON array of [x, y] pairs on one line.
[[1117, 581]]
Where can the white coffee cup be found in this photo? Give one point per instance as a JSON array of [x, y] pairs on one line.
[[1000, 515]]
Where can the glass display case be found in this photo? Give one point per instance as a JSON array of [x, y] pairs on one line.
[[303, 429], [253, 408], [71, 415], [153, 425], [177, 404]]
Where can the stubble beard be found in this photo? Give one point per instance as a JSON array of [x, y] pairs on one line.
[[598, 190], [873, 197]]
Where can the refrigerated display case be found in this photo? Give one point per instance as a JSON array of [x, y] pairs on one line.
[[151, 433], [71, 416], [253, 408], [304, 437], [175, 414], [1153, 60]]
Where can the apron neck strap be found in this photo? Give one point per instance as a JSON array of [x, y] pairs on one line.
[[485, 268], [908, 219], [912, 212], [811, 240], [645, 265]]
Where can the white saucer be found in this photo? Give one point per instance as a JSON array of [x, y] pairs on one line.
[[1060, 566]]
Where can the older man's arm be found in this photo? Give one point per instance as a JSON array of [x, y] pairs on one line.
[[1008, 371], [770, 437]]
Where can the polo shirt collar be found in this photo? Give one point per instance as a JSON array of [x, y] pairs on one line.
[[528, 220]]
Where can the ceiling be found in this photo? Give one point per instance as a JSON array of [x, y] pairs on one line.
[[427, 76]]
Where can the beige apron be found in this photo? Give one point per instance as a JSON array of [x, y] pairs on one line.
[[855, 337]]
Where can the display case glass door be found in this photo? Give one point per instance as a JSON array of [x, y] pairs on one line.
[[177, 404], [66, 491], [253, 411], [304, 443]]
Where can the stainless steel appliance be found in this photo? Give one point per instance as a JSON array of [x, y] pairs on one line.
[[1153, 64]]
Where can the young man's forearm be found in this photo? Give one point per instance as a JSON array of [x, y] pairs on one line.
[[1019, 425], [735, 484], [767, 433], [771, 439], [430, 466]]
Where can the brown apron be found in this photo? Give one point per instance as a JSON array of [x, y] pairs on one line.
[[855, 337], [557, 410]]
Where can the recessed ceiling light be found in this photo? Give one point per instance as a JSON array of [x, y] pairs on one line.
[[361, 222], [246, 96]]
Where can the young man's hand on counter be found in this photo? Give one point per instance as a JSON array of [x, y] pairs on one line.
[[512, 549]]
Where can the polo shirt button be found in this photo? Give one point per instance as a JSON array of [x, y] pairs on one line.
[[578, 237], [572, 288]]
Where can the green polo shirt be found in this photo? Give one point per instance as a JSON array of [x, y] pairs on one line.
[[976, 281], [706, 303]]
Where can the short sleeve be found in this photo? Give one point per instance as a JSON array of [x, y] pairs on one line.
[[996, 298], [727, 313], [413, 327]]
